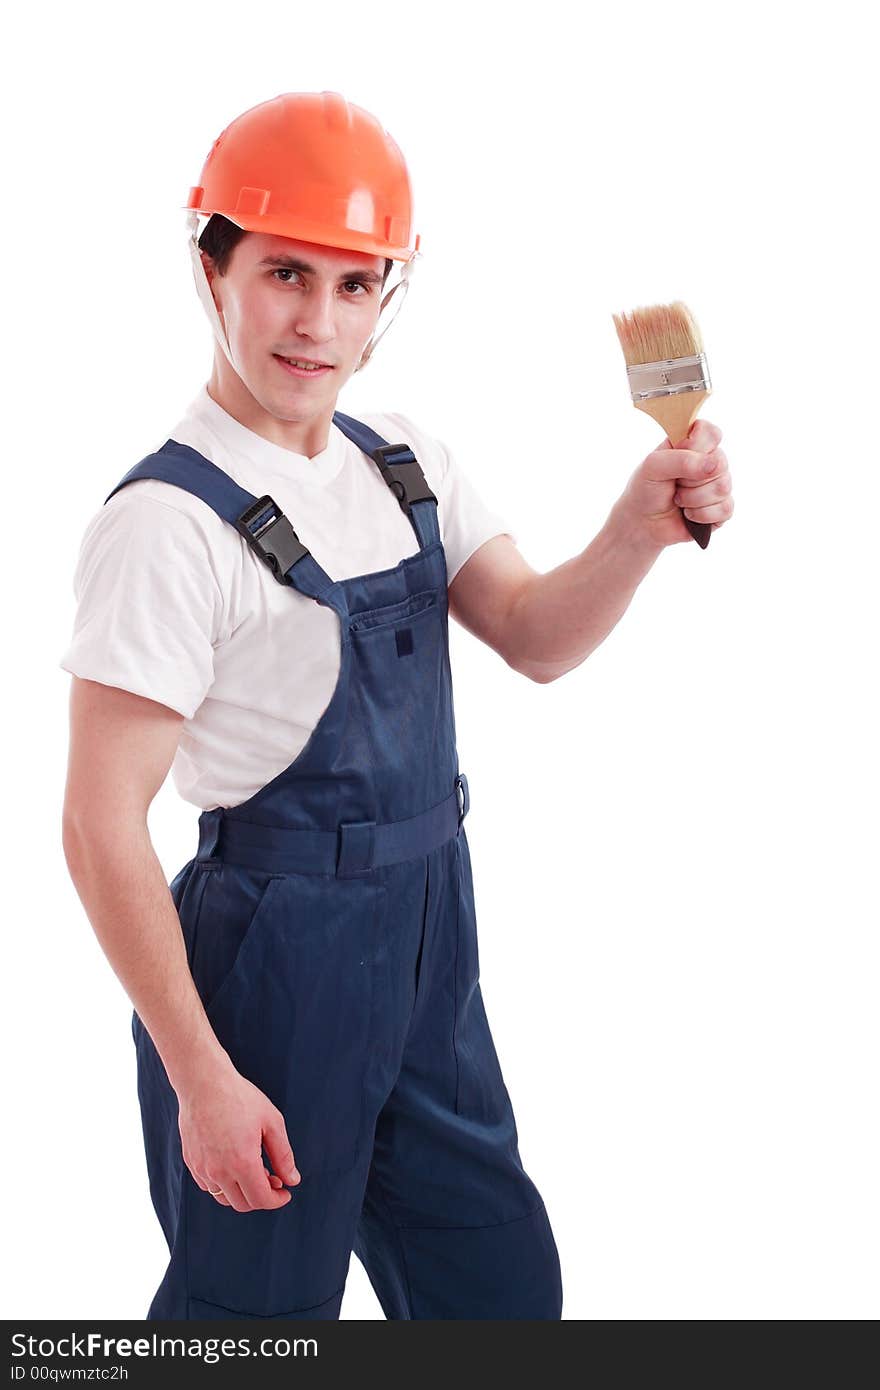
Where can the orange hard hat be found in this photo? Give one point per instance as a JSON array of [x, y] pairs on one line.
[[315, 167]]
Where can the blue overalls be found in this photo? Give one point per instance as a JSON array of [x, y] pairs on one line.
[[331, 933]]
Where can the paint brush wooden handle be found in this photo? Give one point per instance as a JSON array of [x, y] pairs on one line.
[[675, 415]]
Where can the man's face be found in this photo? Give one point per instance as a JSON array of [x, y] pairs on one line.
[[296, 299]]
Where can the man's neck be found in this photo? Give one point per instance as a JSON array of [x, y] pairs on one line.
[[306, 437]]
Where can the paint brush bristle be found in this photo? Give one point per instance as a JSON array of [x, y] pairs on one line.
[[658, 333]]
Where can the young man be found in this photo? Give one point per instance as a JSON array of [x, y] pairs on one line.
[[262, 606]]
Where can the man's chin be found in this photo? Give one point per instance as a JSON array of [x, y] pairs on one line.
[[293, 404]]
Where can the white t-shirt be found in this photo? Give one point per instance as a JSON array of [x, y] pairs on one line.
[[174, 605]]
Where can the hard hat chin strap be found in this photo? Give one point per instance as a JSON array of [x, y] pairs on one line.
[[205, 295], [404, 281], [202, 286]]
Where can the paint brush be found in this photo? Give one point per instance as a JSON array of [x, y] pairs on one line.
[[668, 374]]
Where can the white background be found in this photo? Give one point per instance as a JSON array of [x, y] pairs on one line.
[[675, 845]]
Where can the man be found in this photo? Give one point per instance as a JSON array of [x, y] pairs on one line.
[[263, 606]]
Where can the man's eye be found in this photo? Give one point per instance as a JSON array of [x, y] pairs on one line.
[[287, 270]]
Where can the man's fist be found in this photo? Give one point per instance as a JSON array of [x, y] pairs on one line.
[[692, 477]]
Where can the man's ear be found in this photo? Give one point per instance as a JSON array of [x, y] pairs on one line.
[[210, 272]]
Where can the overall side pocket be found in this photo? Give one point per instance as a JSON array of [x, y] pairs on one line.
[[481, 1094], [295, 1011], [233, 907]]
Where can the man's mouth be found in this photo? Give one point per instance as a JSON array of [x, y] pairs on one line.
[[303, 366]]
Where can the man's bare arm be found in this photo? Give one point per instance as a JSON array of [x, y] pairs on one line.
[[121, 748], [544, 625]]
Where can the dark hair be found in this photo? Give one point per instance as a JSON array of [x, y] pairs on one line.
[[220, 238]]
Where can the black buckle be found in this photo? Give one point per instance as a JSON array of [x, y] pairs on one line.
[[461, 784], [403, 474], [268, 531]]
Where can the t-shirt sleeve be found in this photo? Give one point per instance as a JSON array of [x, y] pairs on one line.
[[149, 605], [467, 519]]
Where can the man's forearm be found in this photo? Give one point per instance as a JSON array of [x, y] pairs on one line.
[[562, 616], [122, 887]]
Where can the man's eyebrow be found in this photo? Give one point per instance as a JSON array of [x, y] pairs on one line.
[[291, 263]]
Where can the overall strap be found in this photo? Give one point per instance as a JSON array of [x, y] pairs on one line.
[[259, 519], [402, 472]]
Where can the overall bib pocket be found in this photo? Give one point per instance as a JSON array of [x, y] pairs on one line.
[[409, 607]]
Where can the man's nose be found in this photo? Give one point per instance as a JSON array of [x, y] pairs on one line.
[[315, 315]]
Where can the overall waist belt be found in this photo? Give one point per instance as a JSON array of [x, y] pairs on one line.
[[355, 847]]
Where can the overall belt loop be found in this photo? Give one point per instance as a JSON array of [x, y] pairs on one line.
[[462, 781], [356, 841], [209, 833]]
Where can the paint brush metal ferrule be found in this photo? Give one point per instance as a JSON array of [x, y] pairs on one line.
[[670, 377]]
